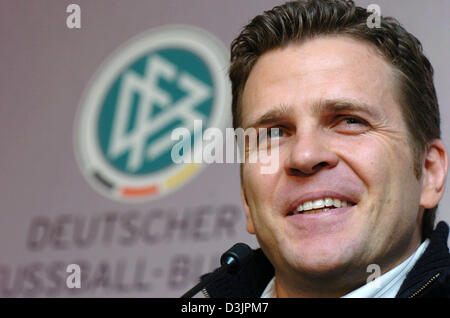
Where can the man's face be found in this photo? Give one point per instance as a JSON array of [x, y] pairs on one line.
[[342, 138]]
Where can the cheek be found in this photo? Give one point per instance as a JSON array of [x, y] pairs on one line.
[[378, 162], [260, 195], [259, 187], [387, 170], [254, 184]]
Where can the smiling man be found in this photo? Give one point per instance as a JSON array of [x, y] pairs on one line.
[[362, 167]]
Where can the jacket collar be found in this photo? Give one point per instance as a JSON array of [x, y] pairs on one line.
[[430, 272]]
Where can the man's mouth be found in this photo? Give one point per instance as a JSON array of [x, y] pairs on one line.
[[320, 205]]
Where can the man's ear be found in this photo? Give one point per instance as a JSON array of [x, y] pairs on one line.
[[248, 217], [434, 174]]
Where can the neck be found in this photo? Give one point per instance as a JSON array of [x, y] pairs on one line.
[[315, 287]]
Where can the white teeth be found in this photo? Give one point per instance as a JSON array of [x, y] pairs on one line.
[[322, 203], [328, 202], [307, 206], [337, 203], [318, 204]]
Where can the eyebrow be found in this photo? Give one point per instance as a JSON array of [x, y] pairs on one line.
[[327, 106], [279, 113], [340, 105]]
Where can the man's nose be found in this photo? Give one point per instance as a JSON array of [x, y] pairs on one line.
[[308, 155]]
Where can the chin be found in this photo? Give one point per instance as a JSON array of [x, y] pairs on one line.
[[322, 257]]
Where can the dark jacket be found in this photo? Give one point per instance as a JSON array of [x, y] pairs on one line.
[[430, 276]]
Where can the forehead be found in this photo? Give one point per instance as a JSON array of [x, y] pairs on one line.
[[324, 68]]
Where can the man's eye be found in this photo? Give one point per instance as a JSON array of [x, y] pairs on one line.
[[353, 120], [275, 132], [350, 124]]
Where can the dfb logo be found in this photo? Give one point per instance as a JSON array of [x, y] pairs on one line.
[[155, 83]]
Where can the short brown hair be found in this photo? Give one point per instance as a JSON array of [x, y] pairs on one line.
[[299, 20]]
